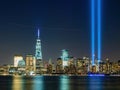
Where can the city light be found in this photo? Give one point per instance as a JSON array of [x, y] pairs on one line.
[[78, 48]]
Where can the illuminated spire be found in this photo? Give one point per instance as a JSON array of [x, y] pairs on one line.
[[38, 33]]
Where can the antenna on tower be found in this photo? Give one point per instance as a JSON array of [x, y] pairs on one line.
[[38, 33]]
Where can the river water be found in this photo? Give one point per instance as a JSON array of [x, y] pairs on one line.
[[59, 83]]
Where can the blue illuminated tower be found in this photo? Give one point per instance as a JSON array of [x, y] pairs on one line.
[[38, 51]]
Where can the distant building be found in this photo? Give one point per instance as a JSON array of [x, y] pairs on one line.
[[65, 57], [59, 66], [18, 60]]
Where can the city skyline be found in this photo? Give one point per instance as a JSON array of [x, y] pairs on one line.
[[60, 29]]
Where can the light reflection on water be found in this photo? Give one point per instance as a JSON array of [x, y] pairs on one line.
[[27, 83], [17, 83], [59, 83], [38, 83], [95, 83], [64, 83]]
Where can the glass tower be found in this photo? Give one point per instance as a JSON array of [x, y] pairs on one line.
[[38, 51], [65, 57]]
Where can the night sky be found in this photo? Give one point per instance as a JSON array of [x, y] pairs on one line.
[[64, 24]]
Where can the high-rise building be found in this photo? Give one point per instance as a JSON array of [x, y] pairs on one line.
[[38, 51], [29, 60], [17, 60], [30, 63], [65, 57], [59, 66]]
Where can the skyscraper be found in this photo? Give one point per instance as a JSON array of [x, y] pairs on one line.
[[38, 52], [65, 57]]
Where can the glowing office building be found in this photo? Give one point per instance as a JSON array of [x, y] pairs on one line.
[[17, 60], [30, 63], [65, 57], [29, 60]]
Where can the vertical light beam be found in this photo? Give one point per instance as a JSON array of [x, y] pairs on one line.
[[93, 29], [99, 29]]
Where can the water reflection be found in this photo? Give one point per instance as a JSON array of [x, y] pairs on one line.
[[59, 83], [17, 83], [38, 83], [95, 83], [64, 83], [28, 83]]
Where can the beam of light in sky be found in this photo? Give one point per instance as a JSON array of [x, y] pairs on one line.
[[99, 29], [93, 29]]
